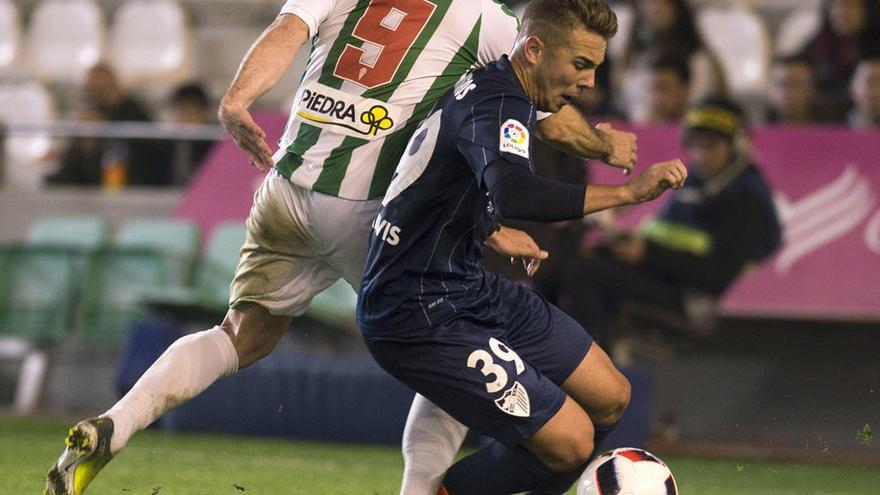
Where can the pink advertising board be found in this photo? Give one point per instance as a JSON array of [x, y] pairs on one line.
[[827, 184], [827, 191]]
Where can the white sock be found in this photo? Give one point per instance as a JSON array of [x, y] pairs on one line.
[[183, 371], [430, 441]]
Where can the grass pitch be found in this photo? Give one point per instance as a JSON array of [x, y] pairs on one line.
[[157, 463]]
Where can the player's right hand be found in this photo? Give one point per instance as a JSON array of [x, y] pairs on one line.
[[518, 245], [238, 122], [656, 179], [623, 148]]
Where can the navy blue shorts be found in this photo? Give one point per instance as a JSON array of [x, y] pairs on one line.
[[496, 371]]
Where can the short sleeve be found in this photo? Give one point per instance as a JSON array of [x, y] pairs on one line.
[[312, 12], [496, 127], [498, 29]]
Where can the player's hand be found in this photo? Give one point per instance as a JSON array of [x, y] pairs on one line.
[[518, 245], [623, 148], [247, 134], [656, 179]]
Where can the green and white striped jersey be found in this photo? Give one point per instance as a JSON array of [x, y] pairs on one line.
[[375, 71]]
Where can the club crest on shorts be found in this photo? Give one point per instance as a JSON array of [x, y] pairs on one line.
[[515, 401], [514, 138]]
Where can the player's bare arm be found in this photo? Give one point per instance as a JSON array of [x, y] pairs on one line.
[[264, 64], [647, 186], [569, 131]]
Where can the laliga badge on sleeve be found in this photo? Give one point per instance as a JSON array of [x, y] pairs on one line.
[[514, 138]]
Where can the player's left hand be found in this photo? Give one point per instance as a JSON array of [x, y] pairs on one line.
[[518, 245], [623, 148]]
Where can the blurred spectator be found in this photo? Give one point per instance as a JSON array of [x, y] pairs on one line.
[[112, 162], [190, 104], [662, 89], [865, 92], [700, 241], [792, 94], [81, 159], [667, 28], [850, 31]]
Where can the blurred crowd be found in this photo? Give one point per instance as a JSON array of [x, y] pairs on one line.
[[665, 64], [661, 61]]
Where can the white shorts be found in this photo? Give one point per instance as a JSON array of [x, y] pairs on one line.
[[298, 243]]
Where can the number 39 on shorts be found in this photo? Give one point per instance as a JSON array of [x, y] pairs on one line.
[[387, 31], [484, 361]]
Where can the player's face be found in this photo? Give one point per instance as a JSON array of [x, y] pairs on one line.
[[708, 151], [564, 71]]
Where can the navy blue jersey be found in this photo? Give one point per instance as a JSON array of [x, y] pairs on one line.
[[423, 265]]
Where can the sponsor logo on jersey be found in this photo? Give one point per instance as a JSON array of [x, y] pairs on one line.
[[387, 232], [346, 114], [515, 401], [514, 138]]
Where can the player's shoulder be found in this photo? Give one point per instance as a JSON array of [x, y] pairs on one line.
[[490, 84]]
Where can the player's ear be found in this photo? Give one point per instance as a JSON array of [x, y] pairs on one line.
[[533, 49]]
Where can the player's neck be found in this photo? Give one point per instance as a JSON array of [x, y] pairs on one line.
[[523, 75]]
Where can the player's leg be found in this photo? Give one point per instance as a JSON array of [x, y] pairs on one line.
[[274, 282], [431, 439], [554, 455], [464, 369]]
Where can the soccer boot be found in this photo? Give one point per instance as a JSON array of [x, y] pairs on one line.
[[87, 451]]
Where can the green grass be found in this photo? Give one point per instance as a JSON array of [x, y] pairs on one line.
[[156, 463]]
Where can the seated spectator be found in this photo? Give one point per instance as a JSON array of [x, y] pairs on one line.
[[865, 92], [140, 162], [850, 30], [662, 90], [792, 93], [701, 240], [81, 159], [189, 104], [667, 28]]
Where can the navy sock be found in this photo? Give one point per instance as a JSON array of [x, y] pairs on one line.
[[496, 469], [600, 432]]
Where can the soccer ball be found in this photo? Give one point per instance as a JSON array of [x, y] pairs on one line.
[[627, 471]]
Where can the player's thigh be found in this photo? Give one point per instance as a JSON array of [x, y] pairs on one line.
[[468, 372], [343, 226], [599, 387], [281, 266], [546, 337]]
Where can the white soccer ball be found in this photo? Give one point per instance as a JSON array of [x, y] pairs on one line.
[[627, 471]]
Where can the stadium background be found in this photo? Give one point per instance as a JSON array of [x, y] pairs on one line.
[[790, 375]]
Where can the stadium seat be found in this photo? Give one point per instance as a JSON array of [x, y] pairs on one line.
[[334, 305], [38, 284], [146, 255], [26, 156], [65, 38], [9, 33], [149, 43], [208, 299], [796, 29], [740, 40]]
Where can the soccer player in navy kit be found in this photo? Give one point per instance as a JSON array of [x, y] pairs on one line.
[[495, 355]]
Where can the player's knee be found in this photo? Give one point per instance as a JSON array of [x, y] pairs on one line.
[[620, 401], [571, 452], [249, 346]]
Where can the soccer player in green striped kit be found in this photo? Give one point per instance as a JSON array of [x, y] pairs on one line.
[[375, 70]]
